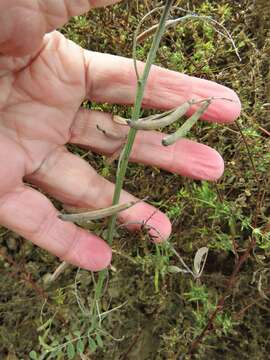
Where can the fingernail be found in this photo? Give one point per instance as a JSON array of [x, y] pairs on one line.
[[90, 252], [197, 161]]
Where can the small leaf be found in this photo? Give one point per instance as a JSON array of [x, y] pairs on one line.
[[45, 325], [99, 341], [77, 333], [33, 355], [92, 344], [70, 351], [199, 260], [175, 269], [57, 354], [44, 345], [260, 288], [80, 346]]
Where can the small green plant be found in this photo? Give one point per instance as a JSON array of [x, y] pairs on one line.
[[262, 237], [199, 295]]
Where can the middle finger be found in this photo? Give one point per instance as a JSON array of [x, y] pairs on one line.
[[112, 79]]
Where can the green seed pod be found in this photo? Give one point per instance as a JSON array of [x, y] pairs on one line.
[[97, 214], [184, 129], [160, 121]]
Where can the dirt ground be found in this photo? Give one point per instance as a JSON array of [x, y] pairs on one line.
[[159, 313]]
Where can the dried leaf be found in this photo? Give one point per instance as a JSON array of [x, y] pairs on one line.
[[175, 269], [199, 261]]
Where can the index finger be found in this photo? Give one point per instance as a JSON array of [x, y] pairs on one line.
[[112, 79]]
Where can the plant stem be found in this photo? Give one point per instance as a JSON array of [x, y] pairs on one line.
[[123, 162], [124, 157]]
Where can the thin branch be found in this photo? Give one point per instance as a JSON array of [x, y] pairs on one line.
[[248, 151]]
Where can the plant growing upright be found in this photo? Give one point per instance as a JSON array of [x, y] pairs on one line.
[[124, 157], [149, 123], [160, 120]]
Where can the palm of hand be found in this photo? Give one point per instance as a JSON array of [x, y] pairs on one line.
[[40, 103], [40, 99]]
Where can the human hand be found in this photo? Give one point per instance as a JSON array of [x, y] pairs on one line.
[[40, 99]]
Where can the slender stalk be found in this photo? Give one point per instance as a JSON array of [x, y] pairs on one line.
[[123, 161], [124, 157]]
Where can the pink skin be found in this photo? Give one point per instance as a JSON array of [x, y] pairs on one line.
[[40, 98]]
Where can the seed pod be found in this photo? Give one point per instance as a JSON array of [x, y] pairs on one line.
[[122, 121], [97, 214], [155, 116], [161, 120], [119, 120], [184, 129], [147, 33]]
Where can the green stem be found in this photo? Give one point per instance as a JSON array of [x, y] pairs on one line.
[[124, 157], [123, 162]]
